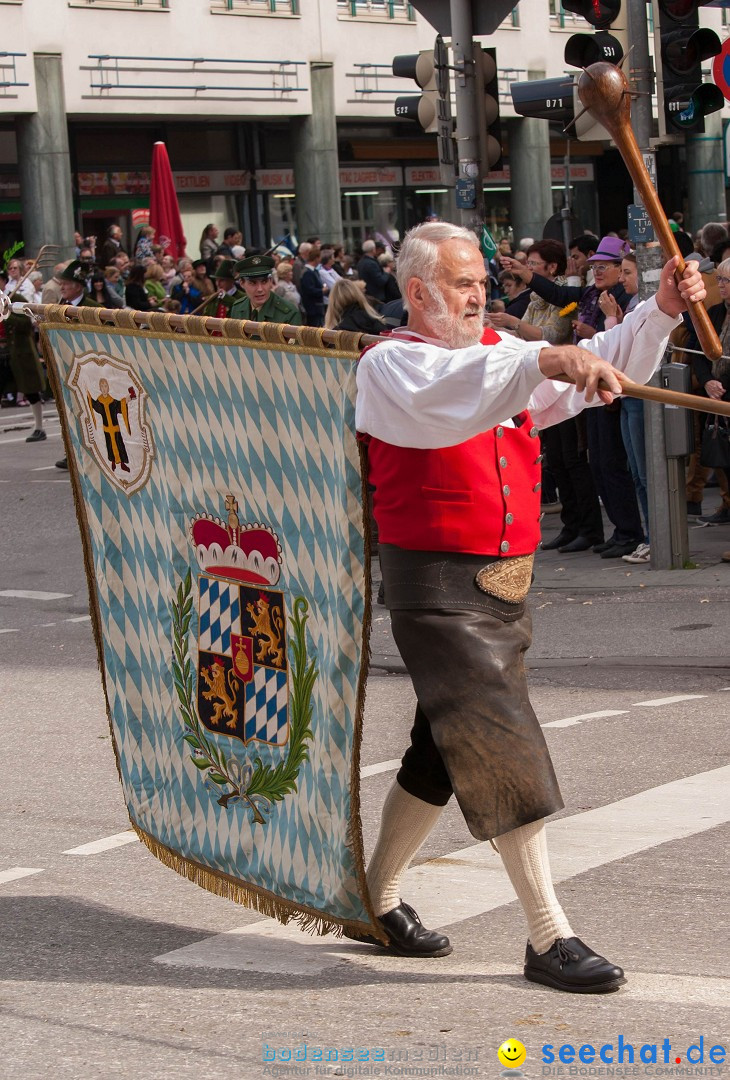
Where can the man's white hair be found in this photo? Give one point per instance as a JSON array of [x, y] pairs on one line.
[[368, 247], [419, 251]]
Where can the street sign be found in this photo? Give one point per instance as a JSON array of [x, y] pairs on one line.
[[650, 164], [466, 194], [641, 230], [721, 69]]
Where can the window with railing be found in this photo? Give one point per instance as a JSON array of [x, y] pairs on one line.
[[376, 10], [255, 7], [9, 75], [123, 5], [561, 19], [199, 78]]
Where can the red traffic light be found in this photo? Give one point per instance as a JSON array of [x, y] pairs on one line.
[[599, 13]]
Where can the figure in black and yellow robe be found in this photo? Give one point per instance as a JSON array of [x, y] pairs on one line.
[[110, 410]]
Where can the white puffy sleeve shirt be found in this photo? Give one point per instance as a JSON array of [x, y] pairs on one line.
[[412, 392]]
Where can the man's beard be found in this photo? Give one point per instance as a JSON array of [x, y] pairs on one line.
[[457, 331]]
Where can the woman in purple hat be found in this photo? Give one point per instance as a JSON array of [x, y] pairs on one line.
[[606, 450]]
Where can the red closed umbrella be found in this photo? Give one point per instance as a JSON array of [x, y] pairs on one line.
[[164, 210]]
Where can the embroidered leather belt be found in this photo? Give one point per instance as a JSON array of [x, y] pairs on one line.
[[442, 579]]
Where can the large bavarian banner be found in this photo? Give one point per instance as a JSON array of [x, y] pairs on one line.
[[219, 493]]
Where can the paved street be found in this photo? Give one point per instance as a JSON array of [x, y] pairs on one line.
[[113, 966]]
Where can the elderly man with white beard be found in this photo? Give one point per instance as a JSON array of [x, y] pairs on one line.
[[451, 414]]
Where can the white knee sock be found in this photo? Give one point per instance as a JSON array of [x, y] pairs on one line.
[[37, 410], [525, 857], [405, 823]]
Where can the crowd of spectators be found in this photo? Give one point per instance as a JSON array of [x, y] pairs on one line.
[[597, 460], [536, 292]]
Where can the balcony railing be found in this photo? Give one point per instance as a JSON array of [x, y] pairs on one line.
[[180, 78], [123, 5], [376, 82], [376, 10], [255, 7], [9, 75]]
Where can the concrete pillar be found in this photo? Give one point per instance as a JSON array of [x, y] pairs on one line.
[[706, 175], [44, 163], [529, 164], [316, 164]]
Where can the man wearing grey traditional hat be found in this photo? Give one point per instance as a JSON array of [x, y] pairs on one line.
[[260, 304], [220, 304]]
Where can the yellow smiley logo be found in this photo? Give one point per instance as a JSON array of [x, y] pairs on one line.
[[512, 1053]]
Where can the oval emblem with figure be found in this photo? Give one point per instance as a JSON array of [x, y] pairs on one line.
[[111, 403]]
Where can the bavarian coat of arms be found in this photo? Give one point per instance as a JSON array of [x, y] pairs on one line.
[[241, 687]]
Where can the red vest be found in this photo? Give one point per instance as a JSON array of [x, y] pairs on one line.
[[481, 497]]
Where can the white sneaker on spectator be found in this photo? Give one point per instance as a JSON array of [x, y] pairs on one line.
[[641, 555]]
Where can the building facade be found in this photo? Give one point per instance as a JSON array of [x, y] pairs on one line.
[[277, 115]]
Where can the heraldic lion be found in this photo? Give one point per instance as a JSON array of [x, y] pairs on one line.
[[222, 691], [267, 625]]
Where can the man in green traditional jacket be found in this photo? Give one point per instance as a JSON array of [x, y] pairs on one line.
[[73, 286], [260, 304], [221, 302]]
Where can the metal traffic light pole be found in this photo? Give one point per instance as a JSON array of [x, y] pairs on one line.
[[469, 112], [664, 477]]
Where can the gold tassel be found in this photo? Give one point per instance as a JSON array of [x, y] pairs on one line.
[[248, 895]]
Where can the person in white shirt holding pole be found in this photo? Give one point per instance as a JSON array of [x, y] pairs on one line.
[[450, 413]]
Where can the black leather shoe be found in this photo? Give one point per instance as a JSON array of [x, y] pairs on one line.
[[581, 543], [560, 540], [617, 551], [604, 546], [570, 965], [407, 936], [62, 464]]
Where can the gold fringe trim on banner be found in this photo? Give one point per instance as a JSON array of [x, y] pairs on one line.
[[96, 624], [307, 919]]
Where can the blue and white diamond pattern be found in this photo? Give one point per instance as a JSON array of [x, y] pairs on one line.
[[220, 615], [267, 697], [276, 429]]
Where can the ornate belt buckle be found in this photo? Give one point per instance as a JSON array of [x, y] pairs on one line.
[[507, 579]]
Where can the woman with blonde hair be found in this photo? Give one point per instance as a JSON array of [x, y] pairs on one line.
[[349, 310], [285, 286], [153, 276]]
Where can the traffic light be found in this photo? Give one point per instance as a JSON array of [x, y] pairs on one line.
[[429, 69], [557, 100], [545, 99], [681, 45], [488, 89], [423, 108], [432, 108], [584, 49]]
